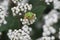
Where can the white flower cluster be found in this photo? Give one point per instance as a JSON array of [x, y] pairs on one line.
[[55, 3], [47, 30], [21, 7], [3, 12], [47, 38], [27, 21], [21, 34], [50, 19]]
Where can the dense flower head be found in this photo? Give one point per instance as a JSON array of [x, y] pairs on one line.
[[21, 8], [21, 34]]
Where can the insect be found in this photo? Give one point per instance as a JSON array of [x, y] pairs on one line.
[[29, 15]]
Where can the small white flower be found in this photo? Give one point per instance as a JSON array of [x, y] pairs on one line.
[[52, 38], [20, 13], [5, 22]]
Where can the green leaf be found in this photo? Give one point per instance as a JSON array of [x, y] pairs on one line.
[[38, 7], [12, 22]]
